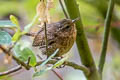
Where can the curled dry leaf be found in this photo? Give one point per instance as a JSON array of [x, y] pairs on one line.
[[50, 4], [41, 11], [1, 51], [48, 17]]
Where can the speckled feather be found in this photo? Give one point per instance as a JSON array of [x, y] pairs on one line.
[[60, 35]]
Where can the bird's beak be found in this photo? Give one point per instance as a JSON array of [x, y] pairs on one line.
[[74, 20]]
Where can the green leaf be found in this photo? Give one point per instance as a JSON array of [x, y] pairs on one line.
[[5, 38], [60, 62], [16, 36], [18, 33], [41, 72], [23, 53], [15, 21], [7, 24]]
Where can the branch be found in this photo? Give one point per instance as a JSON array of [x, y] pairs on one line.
[[11, 71], [67, 63], [14, 69], [28, 62], [106, 35], [14, 57]]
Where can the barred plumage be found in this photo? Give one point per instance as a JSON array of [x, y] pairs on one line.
[[60, 35]]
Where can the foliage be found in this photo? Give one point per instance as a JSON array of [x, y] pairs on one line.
[[92, 14], [5, 38], [23, 52]]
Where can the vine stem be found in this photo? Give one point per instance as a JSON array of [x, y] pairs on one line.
[[106, 35]]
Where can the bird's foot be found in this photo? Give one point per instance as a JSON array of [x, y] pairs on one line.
[[59, 58]]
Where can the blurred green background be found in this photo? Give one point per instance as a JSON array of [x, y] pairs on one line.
[[93, 13]]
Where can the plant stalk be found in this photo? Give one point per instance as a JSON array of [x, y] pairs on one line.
[[106, 35]]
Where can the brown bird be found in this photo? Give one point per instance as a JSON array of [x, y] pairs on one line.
[[60, 35]]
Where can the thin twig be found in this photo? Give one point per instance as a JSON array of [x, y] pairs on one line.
[[29, 58], [11, 71], [58, 75], [13, 74], [106, 35], [67, 63], [65, 13], [10, 48], [39, 56], [31, 34], [71, 64], [46, 40]]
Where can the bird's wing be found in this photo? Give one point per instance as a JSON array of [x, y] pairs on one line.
[[39, 39]]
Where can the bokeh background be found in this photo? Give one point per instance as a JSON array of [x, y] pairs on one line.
[[93, 13]]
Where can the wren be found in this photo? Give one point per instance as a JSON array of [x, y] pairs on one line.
[[60, 35]]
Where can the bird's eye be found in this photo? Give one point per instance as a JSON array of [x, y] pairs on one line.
[[67, 27], [51, 42]]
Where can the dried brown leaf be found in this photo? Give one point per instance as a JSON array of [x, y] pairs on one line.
[[1, 51], [8, 59], [41, 10], [50, 4]]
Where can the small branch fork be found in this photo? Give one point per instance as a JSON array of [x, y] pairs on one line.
[[67, 63], [14, 57]]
